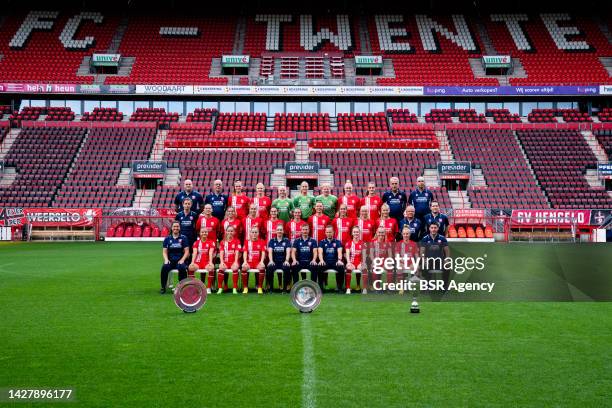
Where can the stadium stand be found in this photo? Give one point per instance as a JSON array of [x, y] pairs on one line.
[[103, 115], [44, 54], [402, 116], [510, 183], [42, 158], [362, 122], [173, 59], [605, 115], [503, 116], [204, 166], [157, 115], [302, 122], [439, 116], [362, 167], [241, 122], [59, 114], [93, 179], [559, 159], [554, 60], [202, 115]]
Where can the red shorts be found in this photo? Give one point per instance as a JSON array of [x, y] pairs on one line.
[[253, 265], [201, 265]]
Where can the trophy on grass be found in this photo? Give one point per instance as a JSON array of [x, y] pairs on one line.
[[190, 295], [306, 296]]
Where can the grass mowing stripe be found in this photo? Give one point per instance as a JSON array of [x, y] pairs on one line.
[[309, 381]]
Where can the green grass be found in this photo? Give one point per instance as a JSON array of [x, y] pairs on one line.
[[88, 316]]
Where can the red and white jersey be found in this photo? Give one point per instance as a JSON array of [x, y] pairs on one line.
[[213, 225], [353, 203], [410, 249], [380, 249], [342, 229], [249, 223], [373, 204], [293, 229], [241, 204], [231, 251], [317, 226], [253, 251], [234, 223], [202, 258], [355, 252], [390, 226], [270, 227], [367, 229], [263, 206]]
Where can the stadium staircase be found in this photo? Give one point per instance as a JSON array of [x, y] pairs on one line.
[[607, 63], [591, 174], [524, 154], [239, 36], [459, 198], [144, 197]]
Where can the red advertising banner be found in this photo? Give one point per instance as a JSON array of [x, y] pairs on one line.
[[469, 213], [550, 218], [62, 217], [12, 217]]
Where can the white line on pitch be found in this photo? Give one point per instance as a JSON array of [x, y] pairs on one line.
[[308, 384]]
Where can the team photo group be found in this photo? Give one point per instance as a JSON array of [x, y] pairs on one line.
[[233, 235]]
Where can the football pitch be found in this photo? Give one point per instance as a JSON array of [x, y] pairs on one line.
[[89, 317]]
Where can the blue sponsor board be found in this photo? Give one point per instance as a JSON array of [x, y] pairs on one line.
[[510, 90]]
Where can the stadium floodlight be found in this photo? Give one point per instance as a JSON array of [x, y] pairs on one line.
[[190, 295], [306, 296]]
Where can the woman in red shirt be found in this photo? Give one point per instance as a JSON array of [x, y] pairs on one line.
[[355, 261], [230, 250], [388, 223], [203, 255]]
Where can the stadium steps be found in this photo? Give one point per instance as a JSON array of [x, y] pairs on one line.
[[333, 123], [349, 71], [277, 178], [254, 67], [607, 63], [143, 198], [459, 199], [603, 26], [125, 176], [388, 70], [270, 123], [157, 152], [477, 179], [301, 151], [8, 176], [116, 40], [485, 39], [431, 177], [364, 36], [326, 177], [596, 148], [520, 145], [593, 180], [172, 177], [72, 166], [239, 36], [8, 142], [446, 152]]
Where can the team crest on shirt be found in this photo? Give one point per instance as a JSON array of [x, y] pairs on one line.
[[180, 241]]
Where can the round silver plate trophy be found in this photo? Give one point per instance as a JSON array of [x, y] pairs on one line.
[[190, 295], [306, 296]]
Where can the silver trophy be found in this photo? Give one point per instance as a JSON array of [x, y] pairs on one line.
[[190, 295], [306, 296]]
